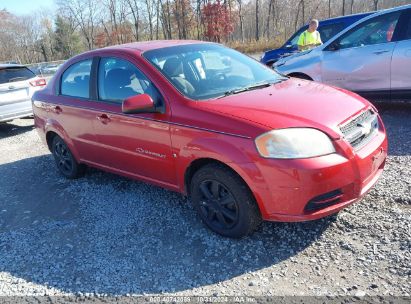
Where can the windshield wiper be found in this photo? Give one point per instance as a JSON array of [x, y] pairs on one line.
[[249, 88]]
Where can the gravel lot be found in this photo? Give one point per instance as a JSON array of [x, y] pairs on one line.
[[104, 234]]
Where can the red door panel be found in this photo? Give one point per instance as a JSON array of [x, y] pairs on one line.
[[139, 145]]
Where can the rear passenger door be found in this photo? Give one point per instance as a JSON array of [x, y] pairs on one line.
[[73, 109], [401, 60], [133, 144]]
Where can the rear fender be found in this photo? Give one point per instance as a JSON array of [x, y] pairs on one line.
[[52, 125]]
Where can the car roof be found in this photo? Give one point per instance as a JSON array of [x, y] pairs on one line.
[[346, 17], [379, 13], [154, 44]]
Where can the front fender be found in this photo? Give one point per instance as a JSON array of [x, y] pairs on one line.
[[310, 66], [233, 152]]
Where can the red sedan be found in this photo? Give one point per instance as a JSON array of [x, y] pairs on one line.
[[242, 141]]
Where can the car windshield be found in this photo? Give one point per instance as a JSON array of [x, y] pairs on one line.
[[204, 71]]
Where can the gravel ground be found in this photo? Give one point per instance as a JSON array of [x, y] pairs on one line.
[[107, 235]]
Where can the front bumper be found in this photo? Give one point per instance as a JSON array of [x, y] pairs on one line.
[[290, 185]]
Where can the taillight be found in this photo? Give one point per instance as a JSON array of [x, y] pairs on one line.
[[41, 82]]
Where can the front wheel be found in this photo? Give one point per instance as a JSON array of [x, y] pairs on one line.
[[65, 161], [224, 202]]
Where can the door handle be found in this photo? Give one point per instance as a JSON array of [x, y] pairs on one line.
[[103, 118], [381, 52], [57, 109]]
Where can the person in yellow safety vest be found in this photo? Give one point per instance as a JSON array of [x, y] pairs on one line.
[[310, 38]]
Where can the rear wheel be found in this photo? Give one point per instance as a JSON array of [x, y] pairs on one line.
[[65, 161], [224, 202]]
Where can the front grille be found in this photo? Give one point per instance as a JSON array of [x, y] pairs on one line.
[[360, 130]]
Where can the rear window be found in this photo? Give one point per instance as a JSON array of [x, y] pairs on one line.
[[15, 74]]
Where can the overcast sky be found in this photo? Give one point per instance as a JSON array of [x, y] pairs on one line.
[[24, 7]]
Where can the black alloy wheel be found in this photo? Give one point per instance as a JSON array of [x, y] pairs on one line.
[[65, 161]]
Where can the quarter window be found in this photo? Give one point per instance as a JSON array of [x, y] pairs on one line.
[[75, 81], [119, 79], [374, 31]]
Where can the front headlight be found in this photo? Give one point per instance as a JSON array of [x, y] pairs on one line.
[[294, 143]]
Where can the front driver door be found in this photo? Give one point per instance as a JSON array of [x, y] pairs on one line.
[[133, 144], [360, 60]]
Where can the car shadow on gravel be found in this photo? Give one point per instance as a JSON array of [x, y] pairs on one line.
[[108, 234], [9, 129]]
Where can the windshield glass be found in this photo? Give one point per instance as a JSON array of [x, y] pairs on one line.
[[204, 71]]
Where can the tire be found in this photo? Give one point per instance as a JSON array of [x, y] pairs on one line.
[[224, 202], [66, 163]]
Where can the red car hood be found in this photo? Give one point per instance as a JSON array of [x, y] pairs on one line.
[[293, 103]]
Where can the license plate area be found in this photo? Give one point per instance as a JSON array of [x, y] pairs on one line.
[[13, 95], [378, 158]]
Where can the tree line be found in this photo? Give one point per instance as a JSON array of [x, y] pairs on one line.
[[79, 25]]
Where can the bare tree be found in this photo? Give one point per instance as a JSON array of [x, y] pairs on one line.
[[257, 32], [85, 13], [135, 13]]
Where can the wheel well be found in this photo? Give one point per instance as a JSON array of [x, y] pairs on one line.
[[300, 75], [197, 165], [49, 138]]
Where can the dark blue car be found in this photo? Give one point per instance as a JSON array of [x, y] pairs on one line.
[[327, 28]]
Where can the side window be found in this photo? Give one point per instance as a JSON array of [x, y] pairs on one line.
[[75, 81], [407, 29], [373, 31], [330, 30], [293, 41], [119, 79]]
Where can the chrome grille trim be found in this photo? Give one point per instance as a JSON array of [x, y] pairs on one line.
[[361, 129]]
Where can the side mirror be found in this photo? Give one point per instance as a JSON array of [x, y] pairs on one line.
[[138, 104]]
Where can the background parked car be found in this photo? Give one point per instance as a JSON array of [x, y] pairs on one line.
[[328, 28], [372, 57], [17, 85], [50, 69]]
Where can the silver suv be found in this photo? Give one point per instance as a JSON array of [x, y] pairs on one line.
[[372, 57], [17, 86]]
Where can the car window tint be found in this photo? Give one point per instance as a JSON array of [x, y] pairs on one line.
[[75, 81], [408, 29], [373, 31], [119, 79], [330, 30], [14, 74]]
